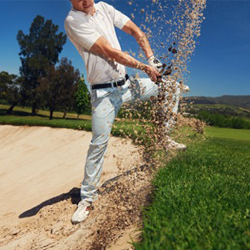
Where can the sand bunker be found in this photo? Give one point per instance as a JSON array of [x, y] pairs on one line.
[[41, 170]]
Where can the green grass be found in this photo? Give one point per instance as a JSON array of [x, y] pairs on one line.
[[22, 116], [201, 199], [26, 111], [230, 133]]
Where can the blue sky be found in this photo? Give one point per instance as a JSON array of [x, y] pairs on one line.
[[219, 66]]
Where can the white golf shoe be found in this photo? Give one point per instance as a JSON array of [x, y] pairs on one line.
[[175, 145], [81, 212], [185, 89]]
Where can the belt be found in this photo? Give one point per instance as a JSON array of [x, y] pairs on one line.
[[110, 84]]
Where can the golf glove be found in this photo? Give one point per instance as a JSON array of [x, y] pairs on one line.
[[154, 62]]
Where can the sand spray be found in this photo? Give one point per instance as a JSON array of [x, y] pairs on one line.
[[172, 28]]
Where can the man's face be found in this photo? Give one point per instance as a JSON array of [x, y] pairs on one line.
[[82, 5]]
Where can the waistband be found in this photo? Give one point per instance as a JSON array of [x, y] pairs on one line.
[[114, 84]]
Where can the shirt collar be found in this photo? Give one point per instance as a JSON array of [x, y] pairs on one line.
[[96, 10], [96, 7]]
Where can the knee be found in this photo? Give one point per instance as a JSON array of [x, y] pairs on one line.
[[100, 140], [101, 131]]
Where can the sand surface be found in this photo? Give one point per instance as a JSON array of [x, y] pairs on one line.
[[41, 169]]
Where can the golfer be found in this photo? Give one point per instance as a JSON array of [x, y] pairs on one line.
[[91, 28]]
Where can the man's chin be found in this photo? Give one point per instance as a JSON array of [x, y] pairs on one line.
[[87, 7]]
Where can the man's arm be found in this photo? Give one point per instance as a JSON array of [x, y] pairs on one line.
[[103, 48], [133, 30]]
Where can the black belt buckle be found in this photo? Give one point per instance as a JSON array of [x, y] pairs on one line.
[[109, 85], [121, 82]]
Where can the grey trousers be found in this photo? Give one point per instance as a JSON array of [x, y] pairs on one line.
[[105, 106]]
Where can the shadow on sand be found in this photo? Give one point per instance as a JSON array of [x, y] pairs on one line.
[[18, 113], [74, 194]]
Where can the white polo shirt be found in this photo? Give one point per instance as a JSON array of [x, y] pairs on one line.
[[83, 30]]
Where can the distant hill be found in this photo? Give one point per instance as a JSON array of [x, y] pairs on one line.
[[228, 111], [236, 100]]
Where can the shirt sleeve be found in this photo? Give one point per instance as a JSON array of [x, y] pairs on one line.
[[119, 19], [81, 33]]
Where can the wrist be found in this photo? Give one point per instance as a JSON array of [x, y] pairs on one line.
[[144, 67], [141, 66], [150, 57]]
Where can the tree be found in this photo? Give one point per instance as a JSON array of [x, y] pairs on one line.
[[82, 98], [58, 87], [38, 50], [5, 80], [10, 89], [238, 122], [69, 80], [13, 94]]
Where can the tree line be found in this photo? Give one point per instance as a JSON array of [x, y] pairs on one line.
[[223, 121], [44, 81]]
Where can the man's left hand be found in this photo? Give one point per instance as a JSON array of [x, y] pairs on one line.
[[151, 72]]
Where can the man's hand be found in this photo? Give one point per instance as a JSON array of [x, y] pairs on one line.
[[152, 72], [154, 62]]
